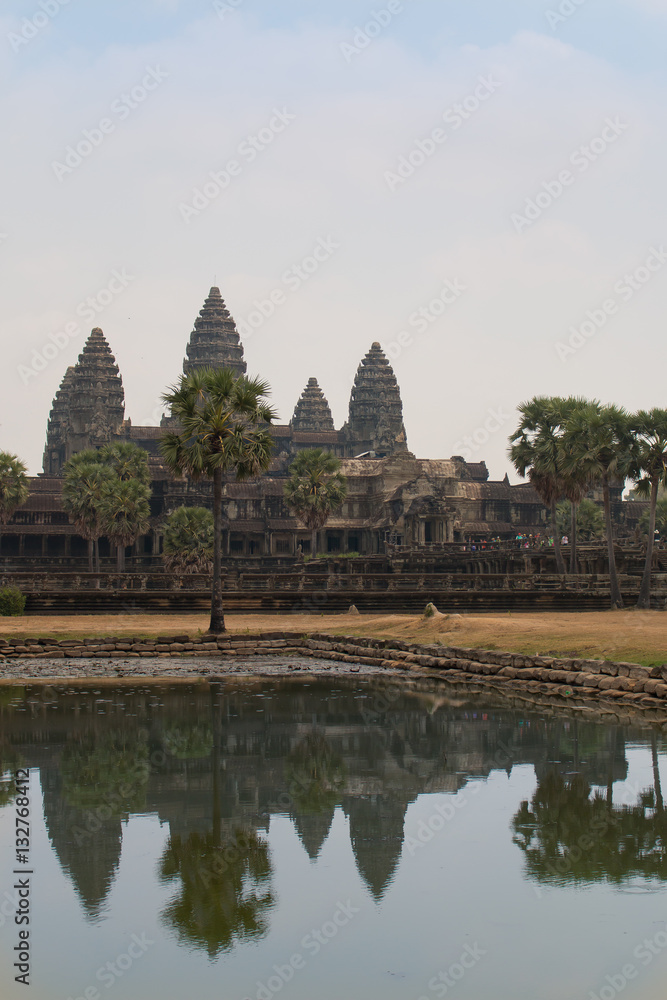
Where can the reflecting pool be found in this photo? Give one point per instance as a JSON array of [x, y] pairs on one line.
[[317, 839]]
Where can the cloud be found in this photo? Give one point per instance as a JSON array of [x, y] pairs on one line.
[[652, 6], [325, 176]]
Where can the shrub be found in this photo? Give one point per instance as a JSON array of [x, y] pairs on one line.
[[12, 602]]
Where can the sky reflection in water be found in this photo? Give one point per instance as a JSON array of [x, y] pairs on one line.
[[329, 840]]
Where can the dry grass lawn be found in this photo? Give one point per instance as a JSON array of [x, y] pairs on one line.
[[638, 636]]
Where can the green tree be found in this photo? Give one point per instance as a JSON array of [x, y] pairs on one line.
[[14, 489], [83, 484], [650, 473], [574, 480], [127, 461], [536, 453], [660, 523], [224, 423], [589, 519], [599, 443], [106, 492], [188, 540], [315, 490], [124, 511]]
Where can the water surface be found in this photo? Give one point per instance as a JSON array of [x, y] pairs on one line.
[[321, 840]]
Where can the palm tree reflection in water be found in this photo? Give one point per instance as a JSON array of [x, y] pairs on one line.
[[225, 892], [569, 835]]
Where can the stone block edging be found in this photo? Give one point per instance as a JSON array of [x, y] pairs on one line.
[[564, 677]]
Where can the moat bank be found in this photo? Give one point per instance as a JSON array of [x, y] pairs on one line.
[[589, 684], [630, 635]]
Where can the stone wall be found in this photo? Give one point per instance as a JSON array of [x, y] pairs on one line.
[[568, 679]]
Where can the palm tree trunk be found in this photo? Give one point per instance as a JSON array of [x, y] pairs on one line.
[[573, 538], [91, 553], [313, 543], [659, 804], [616, 599], [560, 565], [216, 725], [97, 555], [217, 614], [644, 599]]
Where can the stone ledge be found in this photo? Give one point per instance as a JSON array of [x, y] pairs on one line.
[[550, 675]]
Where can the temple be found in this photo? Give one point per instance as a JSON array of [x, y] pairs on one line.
[[394, 498]]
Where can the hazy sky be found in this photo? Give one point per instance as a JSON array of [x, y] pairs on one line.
[[404, 139]]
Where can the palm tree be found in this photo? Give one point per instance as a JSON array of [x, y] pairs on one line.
[[124, 512], [127, 460], [84, 480], [91, 477], [650, 428], [14, 489], [589, 519], [536, 453], [660, 519], [575, 482], [188, 540], [315, 490], [224, 421], [598, 442]]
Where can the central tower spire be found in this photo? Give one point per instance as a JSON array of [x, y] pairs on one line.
[[215, 341]]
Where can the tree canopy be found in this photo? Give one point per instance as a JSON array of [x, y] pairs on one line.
[[188, 540], [223, 428], [14, 489], [315, 489]]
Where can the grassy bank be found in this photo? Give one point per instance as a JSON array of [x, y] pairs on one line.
[[637, 636]]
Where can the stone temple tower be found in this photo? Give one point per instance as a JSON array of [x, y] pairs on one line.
[[375, 421], [215, 341], [312, 413], [89, 407], [55, 453]]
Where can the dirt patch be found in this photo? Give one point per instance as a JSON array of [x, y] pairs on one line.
[[638, 636]]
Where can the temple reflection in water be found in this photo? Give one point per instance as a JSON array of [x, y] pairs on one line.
[[215, 763]]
